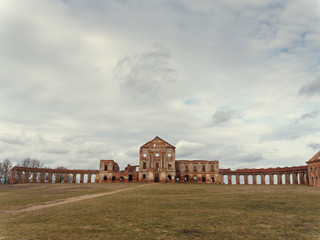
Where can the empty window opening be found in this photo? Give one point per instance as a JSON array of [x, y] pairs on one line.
[[169, 155], [106, 167], [203, 168], [157, 166], [121, 178], [169, 177], [169, 165], [154, 145], [186, 178], [195, 179], [113, 178], [212, 179], [130, 178], [144, 155], [105, 178], [203, 179], [144, 165], [156, 177], [187, 167], [195, 168], [178, 179], [157, 154]]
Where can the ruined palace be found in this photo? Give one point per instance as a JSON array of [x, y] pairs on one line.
[[157, 163]]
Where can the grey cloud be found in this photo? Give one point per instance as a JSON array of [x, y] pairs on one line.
[[310, 115], [222, 116], [311, 88], [314, 146], [145, 75]]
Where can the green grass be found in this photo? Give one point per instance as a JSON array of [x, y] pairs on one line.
[[165, 211]]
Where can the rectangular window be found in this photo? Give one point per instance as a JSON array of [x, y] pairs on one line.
[[144, 176], [195, 168], [203, 168], [187, 168], [157, 166], [144, 165], [157, 154], [212, 168], [106, 167], [169, 165]]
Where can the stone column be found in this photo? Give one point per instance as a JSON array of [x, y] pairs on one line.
[[41, 177], [245, 179], [229, 179], [74, 176], [57, 177], [271, 179], [89, 178], [301, 175], [254, 179], [279, 177], [295, 178], [27, 175], [12, 176], [34, 176], [81, 177], [307, 177], [237, 179], [287, 178], [50, 177], [65, 177], [19, 176], [263, 179]]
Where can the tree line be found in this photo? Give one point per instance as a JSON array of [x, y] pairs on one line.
[[6, 166]]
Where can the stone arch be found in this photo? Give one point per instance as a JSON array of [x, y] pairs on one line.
[[291, 178], [233, 179], [212, 179], [258, 179], [250, 179], [195, 179], [225, 179], [275, 178], [241, 179], [105, 178], [169, 177], [85, 178], [186, 178], [267, 179], [113, 178]]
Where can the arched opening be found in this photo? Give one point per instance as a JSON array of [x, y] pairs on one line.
[[121, 178], [177, 179], [203, 179], [131, 178], [225, 179], [212, 179], [113, 178], [283, 179], [250, 179], [233, 179], [195, 179], [298, 178], [105, 178], [78, 177], [186, 178], [93, 178], [267, 179], [275, 179], [85, 178], [291, 179], [38, 177], [241, 179], [169, 177], [258, 179]]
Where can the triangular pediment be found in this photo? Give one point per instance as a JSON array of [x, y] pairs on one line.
[[316, 157], [157, 141]]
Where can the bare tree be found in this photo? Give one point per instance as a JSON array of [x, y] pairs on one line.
[[5, 168], [30, 163], [62, 175]]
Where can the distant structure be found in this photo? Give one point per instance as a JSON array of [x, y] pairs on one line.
[[157, 163]]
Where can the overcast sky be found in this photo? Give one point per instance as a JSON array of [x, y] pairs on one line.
[[234, 81]]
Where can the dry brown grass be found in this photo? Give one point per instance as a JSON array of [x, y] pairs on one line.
[[166, 211]]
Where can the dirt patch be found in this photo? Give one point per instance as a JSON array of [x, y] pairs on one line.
[[72, 199]]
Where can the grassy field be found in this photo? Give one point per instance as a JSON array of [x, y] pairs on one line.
[[162, 211]]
